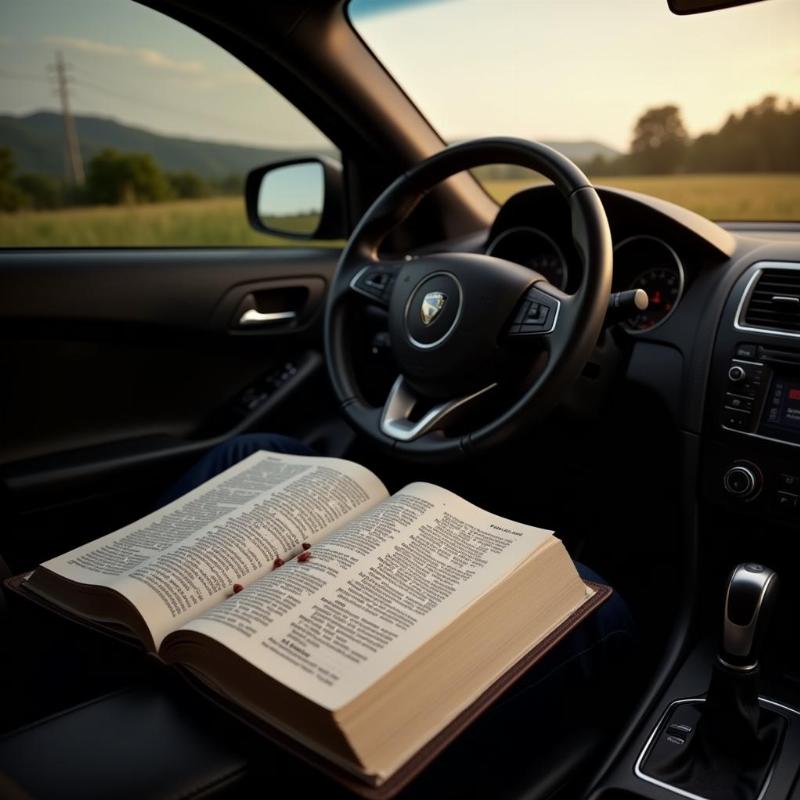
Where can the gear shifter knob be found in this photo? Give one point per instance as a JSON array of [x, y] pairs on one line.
[[752, 589], [728, 743]]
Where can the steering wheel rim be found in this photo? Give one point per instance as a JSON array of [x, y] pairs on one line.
[[569, 332]]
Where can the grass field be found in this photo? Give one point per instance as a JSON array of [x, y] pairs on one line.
[[221, 221], [721, 197], [216, 221]]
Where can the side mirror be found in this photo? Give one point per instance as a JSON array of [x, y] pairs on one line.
[[300, 198]]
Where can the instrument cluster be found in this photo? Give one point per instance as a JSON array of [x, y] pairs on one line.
[[641, 260]]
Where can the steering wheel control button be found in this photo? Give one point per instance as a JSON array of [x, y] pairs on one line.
[[375, 282], [742, 481], [536, 315], [433, 310], [522, 312]]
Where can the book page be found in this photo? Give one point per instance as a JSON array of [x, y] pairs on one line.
[[184, 558], [371, 593]]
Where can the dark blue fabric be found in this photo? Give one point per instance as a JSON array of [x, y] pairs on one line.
[[593, 647]]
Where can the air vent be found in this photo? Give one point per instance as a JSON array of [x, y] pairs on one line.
[[775, 301]]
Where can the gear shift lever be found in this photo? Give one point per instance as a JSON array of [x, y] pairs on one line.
[[749, 600], [731, 718], [723, 748]]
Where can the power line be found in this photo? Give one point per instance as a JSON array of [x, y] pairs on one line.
[[129, 98], [70, 134], [158, 106], [5, 73]]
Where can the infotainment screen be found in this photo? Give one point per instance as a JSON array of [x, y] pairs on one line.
[[783, 403]]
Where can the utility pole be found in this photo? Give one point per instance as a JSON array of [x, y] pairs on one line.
[[73, 151]]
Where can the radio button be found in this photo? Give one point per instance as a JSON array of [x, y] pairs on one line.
[[789, 482], [748, 389], [738, 420], [736, 373], [754, 370], [785, 502], [742, 481], [744, 350], [735, 402], [739, 481]]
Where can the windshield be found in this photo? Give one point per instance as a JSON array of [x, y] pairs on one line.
[[700, 110]]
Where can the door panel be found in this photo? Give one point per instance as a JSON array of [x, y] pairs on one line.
[[172, 288], [121, 366]]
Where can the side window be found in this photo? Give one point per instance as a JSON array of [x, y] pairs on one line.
[[120, 127]]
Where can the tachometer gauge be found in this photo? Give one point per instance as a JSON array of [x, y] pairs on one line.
[[644, 262], [533, 249]]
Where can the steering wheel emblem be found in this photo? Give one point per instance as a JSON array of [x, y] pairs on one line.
[[432, 305]]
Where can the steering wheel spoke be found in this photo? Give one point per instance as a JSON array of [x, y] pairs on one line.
[[375, 281], [447, 312], [398, 421]]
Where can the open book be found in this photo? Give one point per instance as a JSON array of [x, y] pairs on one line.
[[362, 627]]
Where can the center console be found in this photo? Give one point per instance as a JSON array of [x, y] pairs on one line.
[[727, 724], [730, 743], [716, 735], [752, 429]]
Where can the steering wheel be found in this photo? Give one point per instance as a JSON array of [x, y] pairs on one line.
[[457, 320]]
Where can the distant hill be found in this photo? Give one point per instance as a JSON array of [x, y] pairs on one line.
[[37, 142], [584, 151]]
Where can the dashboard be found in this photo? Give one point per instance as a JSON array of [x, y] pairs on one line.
[[532, 229], [719, 342], [640, 262]]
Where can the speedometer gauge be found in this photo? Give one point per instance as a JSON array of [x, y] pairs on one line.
[[533, 249], [644, 262]]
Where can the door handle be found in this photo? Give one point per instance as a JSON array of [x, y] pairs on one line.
[[254, 317]]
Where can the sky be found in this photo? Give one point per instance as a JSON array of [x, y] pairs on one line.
[[140, 67], [545, 69], [580, 69]]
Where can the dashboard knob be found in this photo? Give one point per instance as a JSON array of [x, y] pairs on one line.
[[742, 481], [736, 374]]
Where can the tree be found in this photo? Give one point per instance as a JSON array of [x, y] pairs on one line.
[[6, 165], [188, 185], [764, 138], [44, 190], [659, 141], [12, 198], [229, 185], [114, 178]]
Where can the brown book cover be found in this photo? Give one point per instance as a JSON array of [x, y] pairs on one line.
[[423, 757]]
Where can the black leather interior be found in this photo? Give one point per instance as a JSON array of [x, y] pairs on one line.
[[135, 743]]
